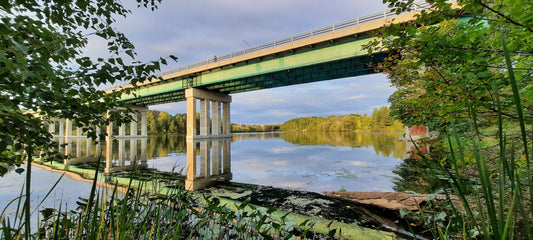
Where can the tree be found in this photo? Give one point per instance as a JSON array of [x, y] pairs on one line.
[[445, 68], [44, 72], [466, 77], [172, 128], [151, 122]]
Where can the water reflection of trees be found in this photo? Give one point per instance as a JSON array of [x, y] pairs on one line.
[[162, 146], [383, 144], [415, 175], [258, 136]]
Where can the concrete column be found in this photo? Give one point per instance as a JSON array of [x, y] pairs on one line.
[[133, 124], [98, 148], [52, 127], [133, 150], [204, 117], [68, 146], [205, 159], [108, 154], [88, 147], [191, 116], [191, 163], [108, 147], [61, 128], [144, 123], [97, 134], [109, 130], [217, 160], [78, 147], [226, 127], [122, 130], [144, 155], [121, 152], [215, 118], [226, 156], [68, 128], [60, 143]]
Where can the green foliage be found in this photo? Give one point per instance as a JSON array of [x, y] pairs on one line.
[[160, 122], [45, 73], [470, 79], [255, 128], [445, 71], [380, 121]]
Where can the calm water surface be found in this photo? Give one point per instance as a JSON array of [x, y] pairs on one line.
[[312, 161], [66, 192]]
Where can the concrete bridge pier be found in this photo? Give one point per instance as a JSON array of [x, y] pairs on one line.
[[134, 131], [213, 124]]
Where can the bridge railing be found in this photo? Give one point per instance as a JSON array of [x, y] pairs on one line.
[[419, 5]]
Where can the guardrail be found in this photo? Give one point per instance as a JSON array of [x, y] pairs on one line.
[[319, 31]]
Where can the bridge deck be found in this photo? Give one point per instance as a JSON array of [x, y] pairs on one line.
[[323, 54]]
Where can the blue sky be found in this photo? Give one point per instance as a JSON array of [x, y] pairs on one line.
[[200, 29]]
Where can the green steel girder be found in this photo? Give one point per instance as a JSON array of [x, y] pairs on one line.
[[325, 71], [337, 60]]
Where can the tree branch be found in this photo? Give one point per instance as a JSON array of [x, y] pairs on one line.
[[503, 16]]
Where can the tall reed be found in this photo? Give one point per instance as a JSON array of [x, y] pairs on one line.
[[502, 207]]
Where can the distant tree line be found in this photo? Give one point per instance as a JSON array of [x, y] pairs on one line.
[[255, 128], [160, 122], [380, 121]]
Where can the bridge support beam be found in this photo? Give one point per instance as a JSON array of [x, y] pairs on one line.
[[210, 117]]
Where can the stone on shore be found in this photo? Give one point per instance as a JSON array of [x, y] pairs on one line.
[[387, 200]]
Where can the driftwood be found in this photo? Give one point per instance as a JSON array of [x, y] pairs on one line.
[[387, 200]]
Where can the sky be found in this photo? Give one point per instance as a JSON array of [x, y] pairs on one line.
[[200, 29]]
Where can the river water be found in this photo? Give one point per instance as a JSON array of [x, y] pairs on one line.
[[310, 161]]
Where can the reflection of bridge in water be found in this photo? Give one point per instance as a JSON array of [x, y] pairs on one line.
[[211, 166], [208, 161]]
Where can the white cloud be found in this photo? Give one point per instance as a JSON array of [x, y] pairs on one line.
[[361, 96]]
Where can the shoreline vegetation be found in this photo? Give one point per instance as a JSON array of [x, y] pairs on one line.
[[160, 122]]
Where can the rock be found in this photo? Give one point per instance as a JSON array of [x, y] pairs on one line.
[[387, 200]]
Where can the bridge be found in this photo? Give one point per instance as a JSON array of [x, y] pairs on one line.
[[326, 53]]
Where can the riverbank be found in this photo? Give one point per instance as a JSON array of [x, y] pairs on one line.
[[375, 210], [353, 220]]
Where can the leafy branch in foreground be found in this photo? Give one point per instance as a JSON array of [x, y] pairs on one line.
[[45, 72], [467, 72]]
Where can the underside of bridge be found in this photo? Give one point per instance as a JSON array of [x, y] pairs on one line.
[[309, 64]]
